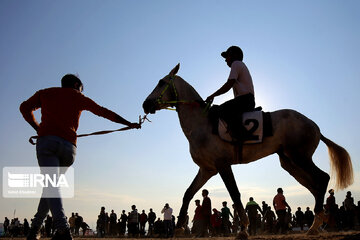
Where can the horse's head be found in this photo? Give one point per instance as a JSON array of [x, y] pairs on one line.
[[164, 95]]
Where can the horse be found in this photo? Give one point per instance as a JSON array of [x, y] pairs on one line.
[[295, 139]]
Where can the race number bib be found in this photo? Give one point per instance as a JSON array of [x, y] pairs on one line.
[[253, 122]]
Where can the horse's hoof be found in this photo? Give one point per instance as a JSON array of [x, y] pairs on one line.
[[242, 236], [179, 232], [312, 232]]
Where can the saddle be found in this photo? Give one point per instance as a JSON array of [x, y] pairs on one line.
[[252, 126]]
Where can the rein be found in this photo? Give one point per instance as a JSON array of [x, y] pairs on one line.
[[141, 121]]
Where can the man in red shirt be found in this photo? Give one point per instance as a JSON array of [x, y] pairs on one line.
[[56, 146], [280, 207], [197, 220], [215, 223]]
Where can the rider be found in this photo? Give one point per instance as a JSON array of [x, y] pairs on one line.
[[241, 82]]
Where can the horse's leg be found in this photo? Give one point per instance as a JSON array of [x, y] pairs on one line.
[[310, 176], [228, 177], [201, 178]]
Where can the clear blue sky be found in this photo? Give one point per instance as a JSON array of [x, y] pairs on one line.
[[302, 55]]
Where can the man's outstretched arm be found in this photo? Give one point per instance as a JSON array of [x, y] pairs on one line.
[[93, 107]]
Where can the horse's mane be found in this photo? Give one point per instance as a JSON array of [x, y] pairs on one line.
[[190, 91]]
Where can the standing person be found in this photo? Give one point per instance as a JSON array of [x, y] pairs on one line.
[[349, 206], [107, 220], [101, 222], [56, 146], [112, 228], [252, 209], [197, 220], [159, 228], [151, 220], [72, 223], [98, 227], [133, 222], [225, 218], [269, 219], [16, 231], [143, 221], [216, 223], [123, 220], [6, 226], [280, 205], [167, 211], [309, 217], [206, 212], [264, 208], [331, 209], [26, 227], [241, 82], [299, 216]]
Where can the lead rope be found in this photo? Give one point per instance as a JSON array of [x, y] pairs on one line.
[[141, 121]]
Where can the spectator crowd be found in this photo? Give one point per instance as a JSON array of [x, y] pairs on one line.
[[207, 221]]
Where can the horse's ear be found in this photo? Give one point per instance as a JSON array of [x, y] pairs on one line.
[[175, 70]]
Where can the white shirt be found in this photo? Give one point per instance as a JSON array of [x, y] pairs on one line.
[[243, 81], [167, 213]]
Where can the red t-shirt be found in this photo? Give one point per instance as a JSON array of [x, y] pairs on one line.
[[279, 202], [198, 215], [60, 111]]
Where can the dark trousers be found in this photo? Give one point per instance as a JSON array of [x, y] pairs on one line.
[[237, 105], [133, 229], [206, 225], [231, 111], [252, 226], [151, 229], [281, 221], [168, 228]]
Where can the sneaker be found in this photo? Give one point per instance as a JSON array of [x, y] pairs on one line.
[[34, 234], [62, 235]]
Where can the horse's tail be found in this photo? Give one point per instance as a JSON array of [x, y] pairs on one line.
[[340, 164]]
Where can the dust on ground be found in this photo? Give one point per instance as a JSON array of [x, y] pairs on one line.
[[349, 235]]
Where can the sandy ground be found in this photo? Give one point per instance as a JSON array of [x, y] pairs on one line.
[[351, 235]]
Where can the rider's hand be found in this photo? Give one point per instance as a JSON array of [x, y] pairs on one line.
[[135, 125]]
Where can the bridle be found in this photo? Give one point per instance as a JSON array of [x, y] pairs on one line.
[[171, 85]]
